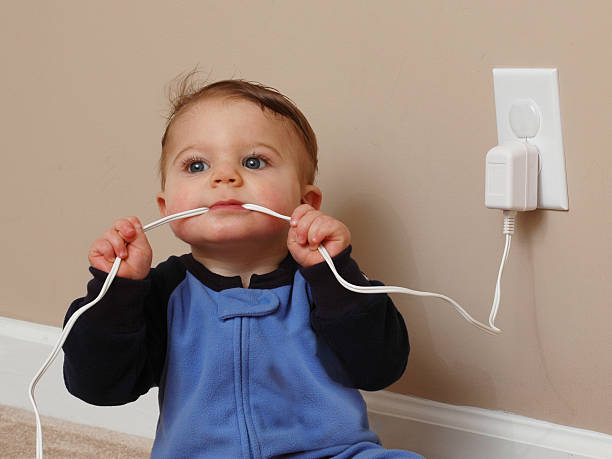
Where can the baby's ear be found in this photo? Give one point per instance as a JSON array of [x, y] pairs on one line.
[[161, 203], [312, 196]]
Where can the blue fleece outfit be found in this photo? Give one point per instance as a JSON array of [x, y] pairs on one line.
[[259, 372]]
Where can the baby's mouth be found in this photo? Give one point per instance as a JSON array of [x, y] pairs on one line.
[[231, 204]]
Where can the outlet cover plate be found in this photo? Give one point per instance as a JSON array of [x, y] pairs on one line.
[[542, 87]]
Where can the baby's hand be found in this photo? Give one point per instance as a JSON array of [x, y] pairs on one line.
[[127, 240], [311, 228]]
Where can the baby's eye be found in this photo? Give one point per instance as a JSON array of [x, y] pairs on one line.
[[197, 166], [254, 162]]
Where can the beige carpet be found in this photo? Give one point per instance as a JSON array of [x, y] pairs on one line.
[[62, 439]]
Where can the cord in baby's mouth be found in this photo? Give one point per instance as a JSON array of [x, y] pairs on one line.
[[265, 210]]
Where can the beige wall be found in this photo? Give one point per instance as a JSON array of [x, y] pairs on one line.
[[400, 94]]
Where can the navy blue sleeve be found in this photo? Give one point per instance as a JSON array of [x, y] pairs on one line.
[[366, 331], [116, 350]]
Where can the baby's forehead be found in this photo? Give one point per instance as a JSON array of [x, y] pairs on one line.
[[240, 104], [249, 117]]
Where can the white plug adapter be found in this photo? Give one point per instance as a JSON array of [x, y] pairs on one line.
[[511, 179]]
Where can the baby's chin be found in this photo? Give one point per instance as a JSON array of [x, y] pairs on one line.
[[224, 237]]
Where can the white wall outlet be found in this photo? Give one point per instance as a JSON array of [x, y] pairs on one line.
[[541, 86]]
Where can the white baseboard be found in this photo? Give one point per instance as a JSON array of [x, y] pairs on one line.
[[24, 346], [465, 432], [436, 430]]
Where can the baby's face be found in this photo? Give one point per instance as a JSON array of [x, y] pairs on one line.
[[225, 152]]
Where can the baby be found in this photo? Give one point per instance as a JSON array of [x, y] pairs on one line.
[[256, 349]]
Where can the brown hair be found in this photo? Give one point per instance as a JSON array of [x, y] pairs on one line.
[[186, 93]]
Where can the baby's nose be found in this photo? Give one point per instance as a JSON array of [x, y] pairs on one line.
[[226, 174], [225, 180]]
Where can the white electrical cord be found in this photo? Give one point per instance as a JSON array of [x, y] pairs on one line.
[[509, 217], [491, 328]]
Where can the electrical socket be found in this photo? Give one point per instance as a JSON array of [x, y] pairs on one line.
[[541, 86]]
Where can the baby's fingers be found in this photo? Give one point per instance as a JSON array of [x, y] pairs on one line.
[[127, 228], [320, 228], [299, 212], [304, 224], [117, 242], [101, 249]]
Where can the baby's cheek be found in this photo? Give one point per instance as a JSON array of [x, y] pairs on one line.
[[274, 200], [287, 201], [179, 202]]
